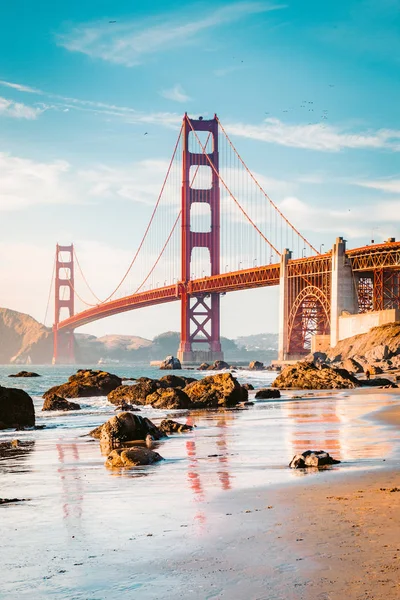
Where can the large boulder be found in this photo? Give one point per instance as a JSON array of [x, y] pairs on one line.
[[218, 365], [134, 394], [175, 381], [24, 374], [85, 383], [16, 408], [203, 367], [216, 391], [352, 366], [256, 365], [312, 458], [169, 398], [171, 363], [126, 427], [380, 352], [55, 402], [306, 376], [169, 426], [267, 393], [132, 457]]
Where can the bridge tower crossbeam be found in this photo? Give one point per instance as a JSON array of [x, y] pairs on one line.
[[64, 343]]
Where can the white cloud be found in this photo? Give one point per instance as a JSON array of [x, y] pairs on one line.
[[385, 185], [315, 137], [20, 87], [177, 94], [17, 110], [128, 42]]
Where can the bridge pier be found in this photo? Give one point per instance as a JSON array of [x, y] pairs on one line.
[[283, 348], [344, 297]]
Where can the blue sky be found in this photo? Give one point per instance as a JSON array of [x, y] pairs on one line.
[[78, 93]]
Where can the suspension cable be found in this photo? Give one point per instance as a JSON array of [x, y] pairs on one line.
[[229, 191], [51, 287], [263, 191], [84, 278]]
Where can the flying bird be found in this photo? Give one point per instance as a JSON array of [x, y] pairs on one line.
[[112, 21], [146, 133]]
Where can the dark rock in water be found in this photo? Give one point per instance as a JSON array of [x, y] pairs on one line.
[[171, 363], [307, 376], [379, 382], [246, 403], [169, 426], [267, 393], [126, 427], [169, 398], [55, 402], [132, 457], [216, 391], [96, 433], [16, 408], [25, 374], [203, 367], [312, 458], [255, 365], [175, 381], [248, 386], [85, 383], [219, 365], [9, 500], [136, 393], [125, 406]]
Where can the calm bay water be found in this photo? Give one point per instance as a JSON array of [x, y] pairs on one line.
[[88, 532]]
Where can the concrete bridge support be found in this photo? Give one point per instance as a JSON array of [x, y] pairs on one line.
[[283, 353], [344, 297]]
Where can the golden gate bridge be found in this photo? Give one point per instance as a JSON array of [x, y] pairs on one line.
[[215, 230]]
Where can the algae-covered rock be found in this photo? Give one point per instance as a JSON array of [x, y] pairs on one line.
[[85, 383], [132, 457], [16, 408], [169, 426], [306, 376], [54, 402], [169, 398], [215, 391]]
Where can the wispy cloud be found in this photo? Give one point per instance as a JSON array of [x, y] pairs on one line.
[[177, 94], [17, 110], [385, 185], [316, 136], [129, 42], [19, 87]]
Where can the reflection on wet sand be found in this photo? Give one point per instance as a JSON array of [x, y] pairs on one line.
[[331, 425], [71, 483]]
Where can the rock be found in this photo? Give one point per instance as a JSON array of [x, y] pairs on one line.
[[203, 367], [55, 402], [126, 427], [312, 458], [170, 362], [378, 382], [373, 369], [9, 500], [124, 407], [255, 365], [24, 374], [377, 353], [16, 408], [96, 433], [352, 366], [306, 376], [248, 386], [132, 457], [247, 403], [136, 393], [267, 393], [170, 398], [215, 391], [84, 383], [169, 426], [219, 365], [175, 381]]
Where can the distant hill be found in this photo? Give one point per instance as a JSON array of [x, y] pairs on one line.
[[23, 339]]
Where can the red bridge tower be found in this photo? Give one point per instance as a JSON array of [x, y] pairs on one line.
[[64, 342], [200, 315]]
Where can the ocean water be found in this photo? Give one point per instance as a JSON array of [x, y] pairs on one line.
[[89, 532]]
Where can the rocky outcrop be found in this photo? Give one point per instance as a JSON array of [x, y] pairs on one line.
[[16, 408], [216, 391], [132, 457], [379, 343], [306, 376], [203, 367], [169, 398], [54, 402], [171, 363], [175, 381], [351, 365], [169, 426], [86, 383], [218, 365], [248, 386], [134, 394], [256, 365], [125, 427], [312, 458], [267, 393], [24, 374]]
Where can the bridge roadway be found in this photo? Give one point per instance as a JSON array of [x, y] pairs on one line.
[[367, 258]]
